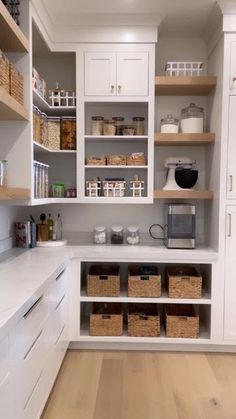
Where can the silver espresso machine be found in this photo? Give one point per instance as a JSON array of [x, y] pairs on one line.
[[180, 226]]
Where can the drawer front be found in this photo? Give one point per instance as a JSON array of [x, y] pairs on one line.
[[4, 357], [57, 355], [57, 320], [56, 291], [37, 399], [8, 409]]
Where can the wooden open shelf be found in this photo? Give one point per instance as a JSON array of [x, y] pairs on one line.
[[8, 194], [12, 38], [168, 139], [10, 109], [183, 194], [184, 85]]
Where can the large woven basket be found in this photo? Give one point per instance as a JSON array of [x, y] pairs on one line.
[[181, 321], [4, 72], [183, 282], [103, 281], [135, 160], [96, 160], [116, 160], [144, 283], [16, 84], [143, 320], [106, 320]]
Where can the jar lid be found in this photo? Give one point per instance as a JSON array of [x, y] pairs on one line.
[[97, 118], [170, 119], [118, 118], [133, 229], [109, 121], [138, 118], [117, 229], [192, 111], [128, 127], [100, 228]]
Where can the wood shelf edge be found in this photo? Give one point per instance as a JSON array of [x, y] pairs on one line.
[[12, 108], [13, 32], [184, 139], [8, 194], [183, 194], [184, 85]]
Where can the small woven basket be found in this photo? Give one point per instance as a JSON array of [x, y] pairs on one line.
[[143, 285], [4, 72], [116, 160], [181, 321], [143, 320], [16, 84], [183, 282], [103, 281], [96, 161], [106, 320]]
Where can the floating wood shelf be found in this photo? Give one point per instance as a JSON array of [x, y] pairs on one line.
[[10, 109], [184, 85], [183, 194], [12, 38], [168, 139], [9, 194]]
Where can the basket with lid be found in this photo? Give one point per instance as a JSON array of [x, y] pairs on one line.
[[103, 281], [143, 320], [106, 319]]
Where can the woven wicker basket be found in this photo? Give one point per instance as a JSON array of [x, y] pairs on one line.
[[4, 72], [16, 84], [143, 284], [135, 160], [96, 161], [183, 282], [103, 281], [116, 160], [181, 321], [106, 320], [143, 320]]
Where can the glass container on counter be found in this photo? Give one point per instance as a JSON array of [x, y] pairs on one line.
[[109, 127], [128, 130], [54, 137], [132, 235], [119, 120], [192, 119], [3, 173], [117, 235], [68, 133], [100, 235], [97, 125], [138, 125], [170, 124]]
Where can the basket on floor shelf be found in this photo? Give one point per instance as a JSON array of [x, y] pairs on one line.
[[143, 320], [106, 320], [181, 321], [103, 281], [183, 282], [144, 281]]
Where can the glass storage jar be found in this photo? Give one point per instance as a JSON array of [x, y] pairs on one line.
[[100, 235], [58, 190], [109, 127], [128, 130], [3, 173], [119, 124], [117, 235], [192, 119], [132, 235], [54, 133], [170, 124], [43, 129], [68, 133], [138, 125], [97, 125]]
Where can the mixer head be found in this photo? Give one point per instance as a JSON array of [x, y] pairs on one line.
[[185, 162]]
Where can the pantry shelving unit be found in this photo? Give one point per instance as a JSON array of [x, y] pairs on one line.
[[12, 38], [41, 149], [10, 109], [44, 106], [184, 85]]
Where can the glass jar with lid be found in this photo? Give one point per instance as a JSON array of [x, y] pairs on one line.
[[100, 235], [119, 120], [54, 133], [132, 235], [138, 125], [97, 125], [192, 119], [117, 234], [43, 129], [170, 124], [109, 127]]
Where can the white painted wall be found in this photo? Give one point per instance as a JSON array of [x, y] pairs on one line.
[[9, 214]]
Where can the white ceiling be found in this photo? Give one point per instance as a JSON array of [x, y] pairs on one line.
[[179, 17]]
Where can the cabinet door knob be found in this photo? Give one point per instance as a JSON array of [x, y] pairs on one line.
[[112, 88], [119, 88], [230, 225], [230, 183]]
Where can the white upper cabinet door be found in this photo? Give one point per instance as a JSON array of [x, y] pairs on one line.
[[132, 74], [232, 81], [230, 281], [231, 170], [100, 74]]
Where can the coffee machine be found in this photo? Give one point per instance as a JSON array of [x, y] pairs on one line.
[[180, 226]]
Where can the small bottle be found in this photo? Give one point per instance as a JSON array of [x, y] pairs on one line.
[[59, 228], [50, 227]]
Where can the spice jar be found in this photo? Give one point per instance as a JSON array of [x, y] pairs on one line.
[[128, 130], [170, 124], [97, 125], [54, 133], [192, 119], [109, 127], [138, 125], [100, 235], [3, 173], [119, 124], [132, 235], [68, 133], [117, 235]]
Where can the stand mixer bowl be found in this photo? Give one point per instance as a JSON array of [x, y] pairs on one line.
[[186, 178]]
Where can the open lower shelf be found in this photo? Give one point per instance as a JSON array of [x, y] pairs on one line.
[[39, 148], [12, 38], [115, 167], [180, 139], [44, 106], [184, 85], [9, 194], [183, 194], [10, 109], [116, 138]]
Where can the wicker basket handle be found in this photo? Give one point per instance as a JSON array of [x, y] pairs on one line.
[[183, 318], [106, 316], [144, 278], [103, 277], [143, 317], [185, 278]]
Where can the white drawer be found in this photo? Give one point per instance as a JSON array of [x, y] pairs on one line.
[[56, 291], [8, 409], [4, 357], [56, 356]]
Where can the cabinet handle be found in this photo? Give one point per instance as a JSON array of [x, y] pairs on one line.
[[230, 225], [230, 183], [112, 88], [119, 88], [32, 307], [60, 274]]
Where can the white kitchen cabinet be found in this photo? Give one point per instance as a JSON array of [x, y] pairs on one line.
[[231, 168], [232, 80], [230, 283], [116, 74]]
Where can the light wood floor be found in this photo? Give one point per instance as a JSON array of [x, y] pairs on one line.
[[144, 385]]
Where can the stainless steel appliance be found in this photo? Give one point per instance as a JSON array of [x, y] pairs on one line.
[[180, 226]]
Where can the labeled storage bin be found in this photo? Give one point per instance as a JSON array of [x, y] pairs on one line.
[[106, 320], [116, 160], [143, 320], [144, 281], [96, 160], [114, 188], [103, 281], [181, 321], [183, 282], [4, 72], [16, 84]]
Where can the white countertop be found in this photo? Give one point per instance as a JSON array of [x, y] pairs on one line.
[[25, 273]]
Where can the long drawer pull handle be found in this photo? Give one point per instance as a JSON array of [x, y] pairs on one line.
[[60, 274], [59, 303], [32, 307], [230, 183], [33, 344], [32, 391], [62, 330], [230, 225]]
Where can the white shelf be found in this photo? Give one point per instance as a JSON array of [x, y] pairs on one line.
[[164, 299], [117, 200], [44, 106], [115, 167], [45, 201], [39, 148], [116, 138]]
